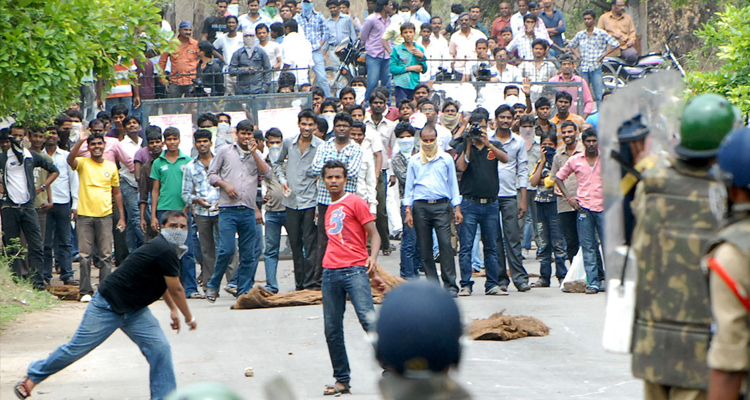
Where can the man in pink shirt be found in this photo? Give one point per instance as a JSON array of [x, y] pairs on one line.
[[113, 151], [567, 75], [589, 201]]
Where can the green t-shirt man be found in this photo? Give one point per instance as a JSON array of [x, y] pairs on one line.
[[169, 176]]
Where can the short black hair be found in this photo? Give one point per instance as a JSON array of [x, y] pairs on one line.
[[171, 214], [402, 127], [422, 86], [481, 41], [345, 3], [202, 134], [276, 27], [208, 117], [506, 29], [552, 135], [405, 102], [530, 16], [153, 132], [205, 47], [127, 120], [359, 125], [61, 119], [102, 115], [503, 108], [245, 125], [171, 131], [258, 134], [475, 6], [333, 164], [483, 111], [451, 103], [95, 135], [526, 119], [379, 94], [408, 25], [497, 50], [355, 107], [587, 133], [287, 79], [234, 17], [436, 16], [542, 102], [510, 87], [540, 42], [425, 26], [347, 90], [332, 3], [322, 124], [274, 132], [291, 24], [318, 91], [590, 12], [566, 124], [457, 8], [229, 117], [477, 117], [74, 114], [120, 109], [330, 102], [563, 95], [261, 26], [343, 116], [426, 101], [307, 113]]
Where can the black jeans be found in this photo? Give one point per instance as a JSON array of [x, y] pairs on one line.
[[381, 218], [303, 237], [58, 236], [322, 244], [569, 227], [512, 246], [437, 216], [24, 218]]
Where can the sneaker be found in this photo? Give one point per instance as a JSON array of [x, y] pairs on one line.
[[231, 290], [503, 291], [541, 283], [524, 288], [592, 290], [453, 292], [495, 291], [86, 298], [465, 291]]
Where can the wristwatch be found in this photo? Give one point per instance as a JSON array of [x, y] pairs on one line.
[[44, 187]]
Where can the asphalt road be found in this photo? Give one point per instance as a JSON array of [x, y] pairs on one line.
[[289, 342]]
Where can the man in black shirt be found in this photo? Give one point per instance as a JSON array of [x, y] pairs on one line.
[[215, 23], [477, 157], [149, 273]]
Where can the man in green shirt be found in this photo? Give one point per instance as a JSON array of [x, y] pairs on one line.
[[166, 195]]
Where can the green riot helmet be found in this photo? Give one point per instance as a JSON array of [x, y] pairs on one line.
[[707, 118], [203, 391]]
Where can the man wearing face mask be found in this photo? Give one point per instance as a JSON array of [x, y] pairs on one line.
[[251, 66], [411, 259], [223, 131], [122, 302], [317, 33], [478, 158], [275, 216], [513, 178], [432, 199]]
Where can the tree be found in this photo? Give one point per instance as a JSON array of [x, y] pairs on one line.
[[730, 34], [50, 45]]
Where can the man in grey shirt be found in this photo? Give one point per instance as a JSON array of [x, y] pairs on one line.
[[513, 174], [300, 197], [235, 171]]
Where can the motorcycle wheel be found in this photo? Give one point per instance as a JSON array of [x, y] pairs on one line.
[[338, 81], [612, 81]]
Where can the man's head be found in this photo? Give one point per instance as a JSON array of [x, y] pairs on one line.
[[259, 139], [506, 34], [318, 96], [334, 177], [357, 112], [529, 23], [347, 97], [328, 106], [174, 219], [425, 31], [321, 128], [416, 5], [286, 12], [618, 7], [500, 54], [474, 13], [589, 18], [563, 100], [274, 138], [96, 126], [207, 120], [378, 101], [590, 142], [492, 43], [95, 143], [359, 81], [535, 8], [185, 30], [437, 24], [464, 22], [52, 137], [154, 140], [566, 65], [342, 126], [202, 140], [223, 118], [252, 7], [504, 117], [511, 90], [481, 47], [428, 135], [306, 121], [221, 8], [277, 30], [333, 8], [543, 108], [405, 110], [523, 7], [102, 115], [569, 133], [539, 48], [75, 115], [261, 32], [481, 120], [232, 24], [408, 31], [429, 110], [383, 6], [37, 137], [119, 112], [357, 132], [245, 132], [344, 7], [132, 125], [421, 91], [505, 9], [172, 139]]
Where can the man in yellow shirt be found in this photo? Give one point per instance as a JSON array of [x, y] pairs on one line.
[[99, 183]]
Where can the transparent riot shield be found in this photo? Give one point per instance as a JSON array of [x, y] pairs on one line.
[[659, 100]]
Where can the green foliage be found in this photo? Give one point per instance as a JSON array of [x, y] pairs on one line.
[[50, 45], [17, 295], [729, 35]]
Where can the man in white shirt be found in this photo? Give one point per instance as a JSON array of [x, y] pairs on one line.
[[272, 48], [253, 17], [64, 205], [502, 71], [463, 44], [296, 52], [517, 22], [444, 136], [434, 49], [227, 44], [366, 181], [131, 143]]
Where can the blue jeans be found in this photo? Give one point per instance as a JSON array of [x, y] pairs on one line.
[[411, 260], [127, 101], [99, 322], [274, 221], [337, 283], [239, 220], [551, 241], [57, 235], [596, 84], [589, 224], [485, 216], [321, 78], [477, 259], [130, 198], [189, 281], [378, 69], [403, 94]]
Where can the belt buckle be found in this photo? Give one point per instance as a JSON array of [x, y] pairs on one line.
[[432, 201], [484, 201]]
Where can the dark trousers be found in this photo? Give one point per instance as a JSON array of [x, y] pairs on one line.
[[403, 94], [411, 259], [569, 227], [512, 246], [24, 219], [303, 237], [437, 216], [550, 241], [57, 237], [322, 244], [120, 239], [381, 218]]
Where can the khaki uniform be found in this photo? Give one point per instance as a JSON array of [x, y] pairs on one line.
[[673, 316], [729, 345]]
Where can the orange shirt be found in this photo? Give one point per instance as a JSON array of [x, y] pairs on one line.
[[622, 26], [184, 61], [575, 118]]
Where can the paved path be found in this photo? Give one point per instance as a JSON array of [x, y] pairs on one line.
[[289, 342]]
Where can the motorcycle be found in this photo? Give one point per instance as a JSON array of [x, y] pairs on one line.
[[617, 72], [352, 64]]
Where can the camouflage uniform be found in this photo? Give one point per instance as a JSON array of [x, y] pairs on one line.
[[673, 315], [731, 253]]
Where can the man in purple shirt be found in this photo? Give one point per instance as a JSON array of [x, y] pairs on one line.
[[378, 52]]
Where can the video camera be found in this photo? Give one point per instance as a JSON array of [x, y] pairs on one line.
[[483, 73]]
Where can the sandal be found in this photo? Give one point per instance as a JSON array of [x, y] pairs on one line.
[[22, 384], [335, 390]]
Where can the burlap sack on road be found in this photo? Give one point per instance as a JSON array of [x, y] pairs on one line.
[[64, 292], [505, 327], [259, 297]]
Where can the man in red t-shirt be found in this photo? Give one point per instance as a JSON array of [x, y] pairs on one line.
[[347, 269]]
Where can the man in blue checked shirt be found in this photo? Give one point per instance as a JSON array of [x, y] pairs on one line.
[[340, 148], [431, 200], [317, 33], [342, 32], [203, 199]]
